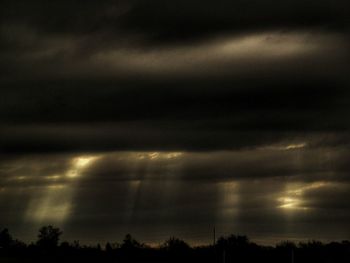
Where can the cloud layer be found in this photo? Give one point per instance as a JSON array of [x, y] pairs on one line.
[[169, 117]]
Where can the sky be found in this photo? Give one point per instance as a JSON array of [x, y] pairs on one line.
[[169, 118]]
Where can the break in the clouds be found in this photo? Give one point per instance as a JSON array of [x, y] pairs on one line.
[[169, 117]]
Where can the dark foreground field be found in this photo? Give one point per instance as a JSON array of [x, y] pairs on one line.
[[228, 249]]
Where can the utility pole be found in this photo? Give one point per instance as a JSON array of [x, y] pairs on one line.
[[214, 245], [214, 240]]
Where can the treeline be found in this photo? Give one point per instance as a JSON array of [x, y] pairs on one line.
[[229, 249]]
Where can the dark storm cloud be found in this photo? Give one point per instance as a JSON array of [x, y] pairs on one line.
[[25, 171], [280, 162], [258, 73], [138, 112], [172, 21], [120, 100], [175, 20], [331, 197], [286, 162]]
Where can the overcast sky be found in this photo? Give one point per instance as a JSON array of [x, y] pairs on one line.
[[161, 118]]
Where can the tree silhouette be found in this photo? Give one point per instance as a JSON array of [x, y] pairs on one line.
[[48, 237], [5, 239], [233, 248], [174, 244], [233, 241], [108, 247], [129, 243]]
